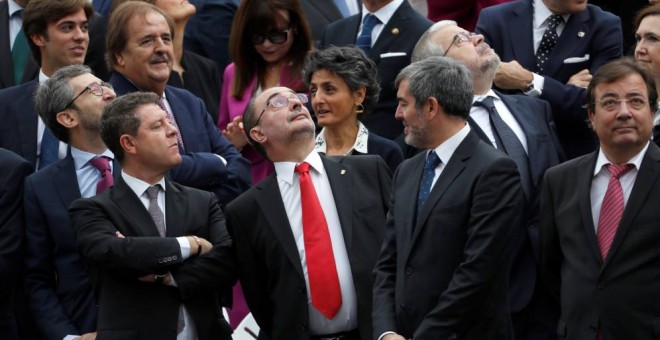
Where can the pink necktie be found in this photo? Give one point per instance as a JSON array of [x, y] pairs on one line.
[[102, 164], [611, 210], [171, 120], [321, 267]]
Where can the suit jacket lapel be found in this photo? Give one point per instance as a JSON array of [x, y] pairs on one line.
[[270, 203], [521, 26], [410, 188], [341, 182], [568, 41], [133, 209], [645, 181], [175, 211], [66, 181], [584, 179], [6, 71]]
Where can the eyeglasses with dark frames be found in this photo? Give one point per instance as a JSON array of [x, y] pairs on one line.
[[282, 101], [94, 88], [274, 37], [460, 37], [611, 104]]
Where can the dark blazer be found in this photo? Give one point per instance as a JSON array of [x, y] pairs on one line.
[[385, 148], [200, 168], [544, 151], [13, 170], [399, 36], [621, 293], [207, 32], [507, 28], [95, 57], [268, 262], [131, 309], [59, 291], [18, 131], [321, 13], [442, 275], [202, 78]]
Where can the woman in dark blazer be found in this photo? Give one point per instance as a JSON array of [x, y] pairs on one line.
[[343, 83]]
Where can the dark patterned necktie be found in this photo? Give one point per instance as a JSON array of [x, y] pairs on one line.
[[432, 162], [548, 41]]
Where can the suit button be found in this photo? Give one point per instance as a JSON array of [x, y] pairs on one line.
[[408, 271], [601, 285], [174, 257]]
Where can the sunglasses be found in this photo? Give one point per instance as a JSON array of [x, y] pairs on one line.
[[275, 37]]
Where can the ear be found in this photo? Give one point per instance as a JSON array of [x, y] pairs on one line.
[[431, 108], [119, 59], [592, 115], [67, 119], [128, 144], [257, 135], [38, 39], [359, 94]]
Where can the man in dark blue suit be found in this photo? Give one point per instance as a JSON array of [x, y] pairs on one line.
[[60, 294], [207, 32], [13, 170], [531, 121], [140, 53], [21, 130], [392, 41], [588, 37]]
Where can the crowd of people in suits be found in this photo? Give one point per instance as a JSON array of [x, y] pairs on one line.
[[346, 169]]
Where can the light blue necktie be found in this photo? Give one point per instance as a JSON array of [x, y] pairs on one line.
[[364, 39]]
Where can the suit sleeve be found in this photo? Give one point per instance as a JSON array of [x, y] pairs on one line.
[[494, 222], [551, 255]]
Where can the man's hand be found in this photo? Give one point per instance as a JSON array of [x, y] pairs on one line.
[[206, 245], [87, 336], [393, 336], [234, 133], [512, 76], [151, 278], [580, 79]]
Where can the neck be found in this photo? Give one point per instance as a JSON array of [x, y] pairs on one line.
[[621, 155], [88, 142], [482, 85], [339, 139], [293, 152], [446, 129], [135, 170], [374, 5]]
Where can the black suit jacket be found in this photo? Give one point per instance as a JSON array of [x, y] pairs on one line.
[[13, 170], [321, 13], [445, 275], [269, 266], [399, 36], [202, 79], [131, 309], [621, 293], [18, 131]]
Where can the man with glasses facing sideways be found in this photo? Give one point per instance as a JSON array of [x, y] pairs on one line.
[[140, 53], [59, 291], [307, 237], [599, 216]]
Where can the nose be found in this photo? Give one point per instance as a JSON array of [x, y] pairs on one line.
[[172, 131], [79, 33], [624, 110], [398, 114], [109, 93], [477, 39]]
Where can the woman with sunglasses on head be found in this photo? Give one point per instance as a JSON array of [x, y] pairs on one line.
[[268, 44], [343, 83]]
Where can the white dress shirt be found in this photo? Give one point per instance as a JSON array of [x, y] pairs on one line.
[[289, 184], [602, 178], [481, 116], [384, 15], [15, 22]]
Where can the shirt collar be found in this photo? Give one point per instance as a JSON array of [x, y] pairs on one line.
[[385, 13], [285, 170], [13, 8], [82, 158], [542, 13], [42, 76], [602, 160], [139, 186], [447, 148], [490, 93], [360, 144]]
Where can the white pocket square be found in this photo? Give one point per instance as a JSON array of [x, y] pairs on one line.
[[393, 54], [576, 60]]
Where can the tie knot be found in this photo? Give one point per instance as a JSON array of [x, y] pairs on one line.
[[618, 170], [302, 168], [432, 160], [554, 21], [152, 192], [486, 103], [369, 22], [101, 163]]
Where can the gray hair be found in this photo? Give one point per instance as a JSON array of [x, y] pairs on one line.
[[426, 47], [120, 118], [53, 96], [349, 63], [442, 78]]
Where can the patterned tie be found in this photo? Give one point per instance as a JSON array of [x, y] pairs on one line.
[[19, 53], [611, 210], [102, 164], [171, 120], [321, 267], [154, 210], [364, 39], [548, 41], [49, 149], [508, 142], [432, 162]]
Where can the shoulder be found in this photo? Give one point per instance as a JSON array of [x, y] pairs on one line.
[[9, 161], [570, 167], [504, 8], [11, 94], [200, 62], [181, 95], [598, 14]]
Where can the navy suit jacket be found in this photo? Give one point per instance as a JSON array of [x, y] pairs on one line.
[[544, 151], [507, 28], [59, 291], [18, 131], [13, 170], [399, 35], [207, 32], [201, 168]]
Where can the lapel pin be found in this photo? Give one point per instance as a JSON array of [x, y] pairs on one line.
[[343, 172], [581, 34], [395, 31]]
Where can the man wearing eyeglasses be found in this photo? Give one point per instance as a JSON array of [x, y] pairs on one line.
[[533, 145], [307, 237], [140, 53], [59, 291], [599, 216]]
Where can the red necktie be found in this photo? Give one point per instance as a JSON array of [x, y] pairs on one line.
[[611, 210], [321, 267], [103, 166]]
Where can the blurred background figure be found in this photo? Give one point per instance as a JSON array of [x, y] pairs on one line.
[[647, 50], [464, 12], [321, 13], [343, 83]]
